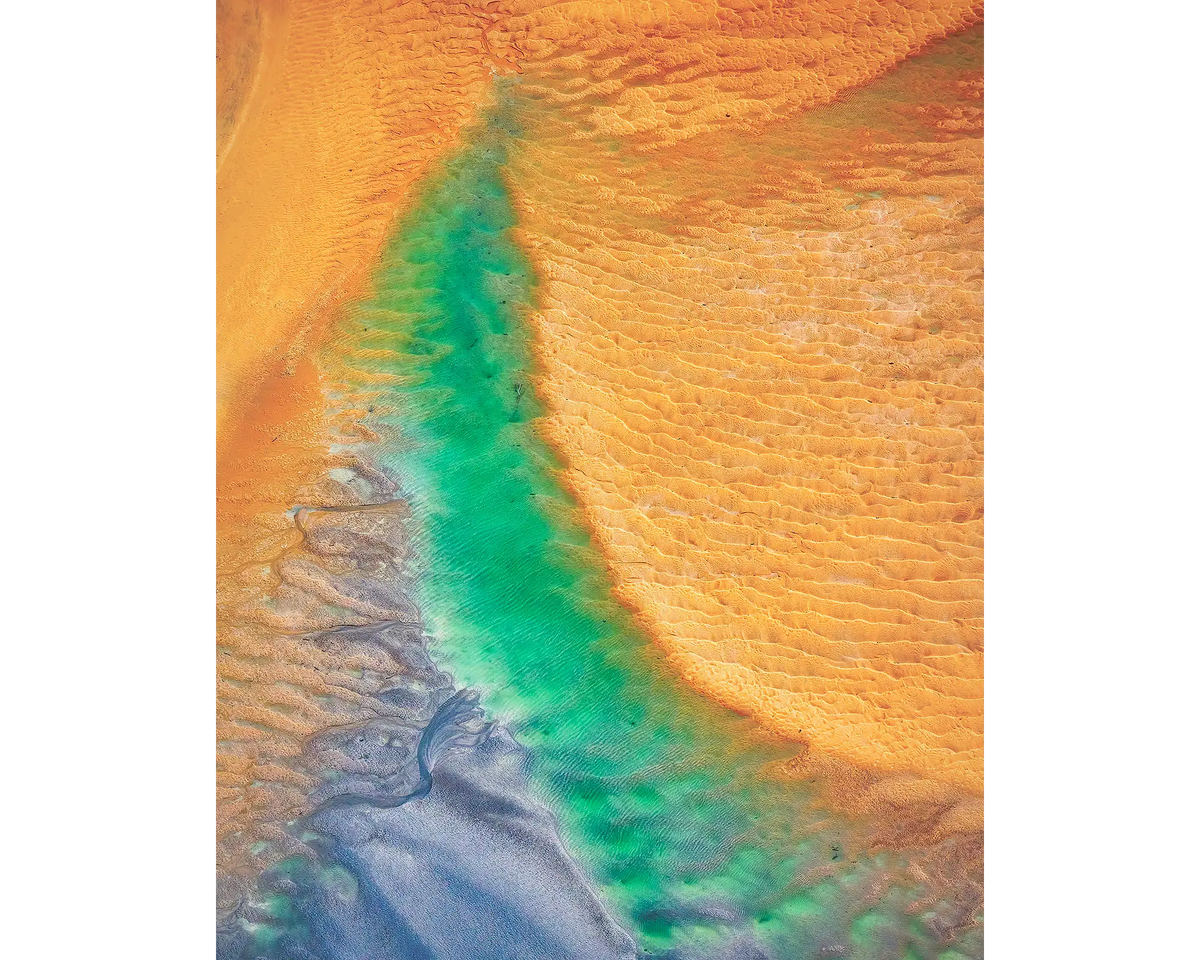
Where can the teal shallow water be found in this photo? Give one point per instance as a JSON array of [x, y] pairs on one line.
[[659, 792]]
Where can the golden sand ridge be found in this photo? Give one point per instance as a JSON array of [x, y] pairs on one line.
[[762, 357]]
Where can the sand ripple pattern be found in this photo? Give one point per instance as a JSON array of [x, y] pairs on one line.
[[762, 360], [328, 112], [760, 341]]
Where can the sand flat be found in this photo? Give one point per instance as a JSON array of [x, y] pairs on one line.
[[762, 359], [765, 385], [327, 114], [347, 106]]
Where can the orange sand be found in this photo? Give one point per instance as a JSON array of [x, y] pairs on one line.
[[762, 356], [347, 106], [327, 113], [659, 72], [274, 689], [769, 403]]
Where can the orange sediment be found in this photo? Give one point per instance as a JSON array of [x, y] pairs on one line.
[[764, 380], [761, 357], [343, 110], [275, 588], [327, 113], [267, 686]]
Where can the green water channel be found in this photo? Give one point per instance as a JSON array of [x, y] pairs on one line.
[[658, 791]]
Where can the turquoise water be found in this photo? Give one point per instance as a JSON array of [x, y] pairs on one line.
[[658, 791]]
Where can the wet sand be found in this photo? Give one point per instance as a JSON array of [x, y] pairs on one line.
[[328, 113]]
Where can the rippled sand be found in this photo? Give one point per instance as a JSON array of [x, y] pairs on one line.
[[336, 109], [327, 113], [760, 335], [762, 357]]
